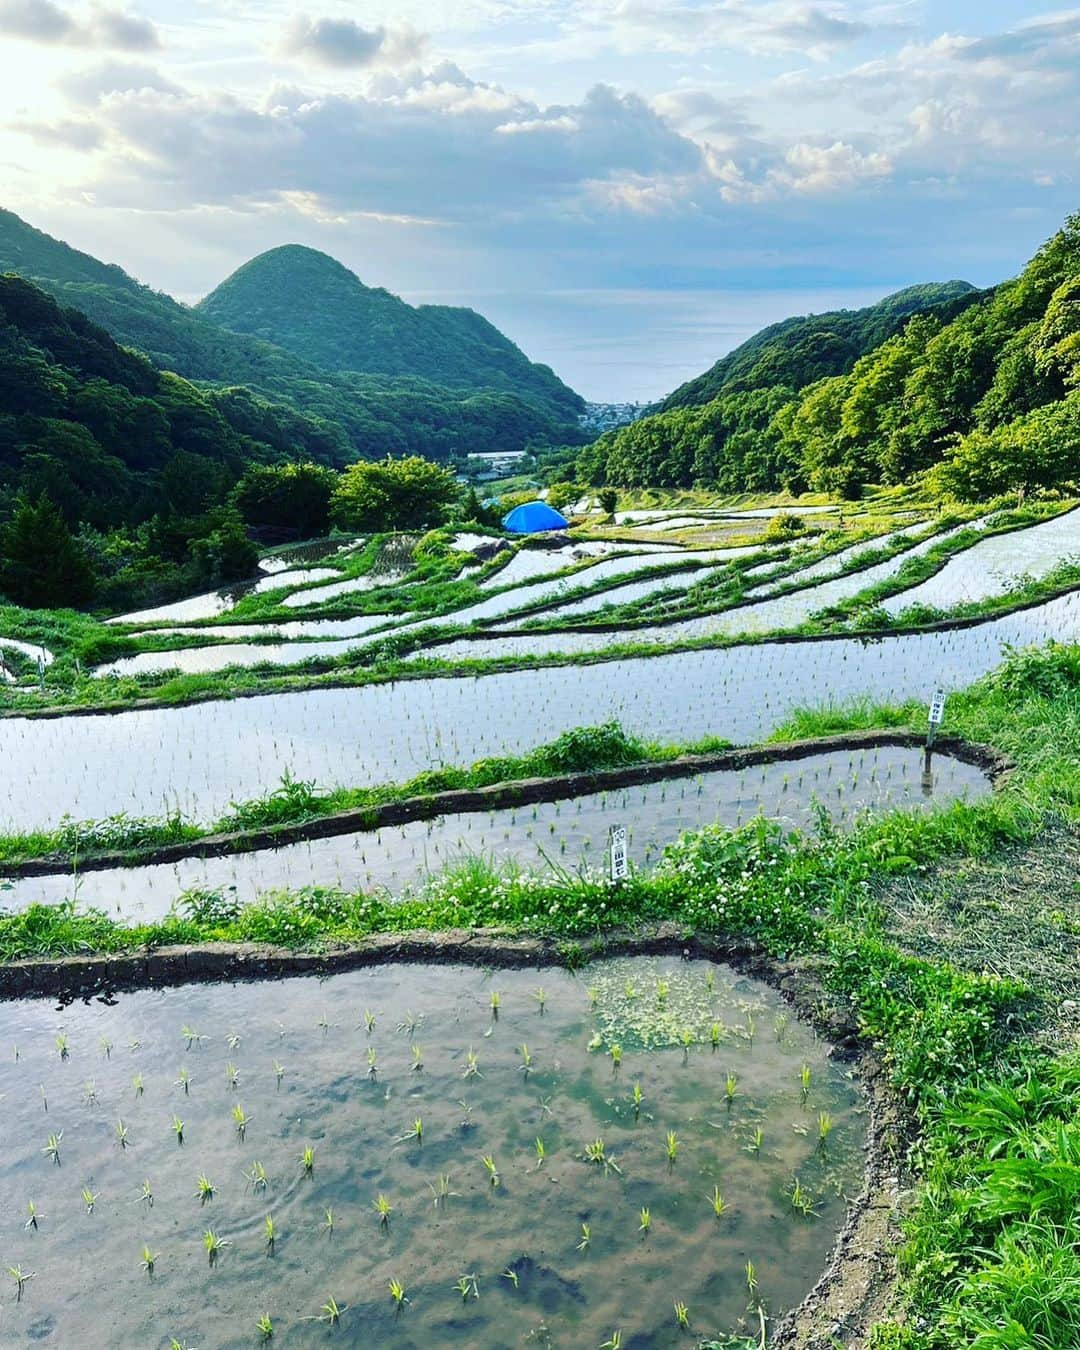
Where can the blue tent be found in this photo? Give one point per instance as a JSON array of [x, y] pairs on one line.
[[533, 517]]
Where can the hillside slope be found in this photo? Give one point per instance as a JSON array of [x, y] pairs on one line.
[[373, 415], [987, 398], [111, 439], [802, 349], [313, 306]]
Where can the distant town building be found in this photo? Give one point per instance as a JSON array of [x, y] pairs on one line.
[[600, 417]]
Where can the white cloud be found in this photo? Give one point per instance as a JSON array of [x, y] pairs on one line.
[[343, 43], [43, 21]]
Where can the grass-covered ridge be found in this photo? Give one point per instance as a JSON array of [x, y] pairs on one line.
[[991, 1245]]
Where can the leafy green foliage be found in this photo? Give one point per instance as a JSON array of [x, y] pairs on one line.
[[293, 496], [394, 494], [41, 564]]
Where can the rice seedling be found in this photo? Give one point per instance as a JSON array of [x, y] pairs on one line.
[[467, 1287], [718, 1203], [397, 1293], [710, 979], [541, 1153], [614, 1342], [672, 1146], [265, 1327], [756, 1141], [645, 1224], [511, 1275], [716, 1034], [490, 1168], [629, 991], [270, 1233], [232, 1075], [682, 1316], [106, 1047], [241, 1120], [21, 1278], [594, 995], [467, 1121], [824, 1128], [636, 1098], [369, 1021], [327, 1225], [183, 1080], [233, 1042], [148, 1260], [372, 1066], [663, 989], [417, 1059], [52, 1147], [415, 1132], [595, 1152], [780, 1025], [440, 1189], [32, 1216], [586, 1238], [191, 1036], [137, 1085], [751, 1029], [730, 1084], [495, 1003], [330, 1313], [686, 1039], [62, 1045], [279, 1072], [323, 1024], [804, 1082], [89, 1198], [541, 997], [616, 1057], [204, 1192], [472, 1065], [383, 1209], [256, 1176], [526, 1059], [214, 1246], [800, 1200], [307, 1160], [44, 1098], [90, 1093], [409, 1023], [146, 1195]]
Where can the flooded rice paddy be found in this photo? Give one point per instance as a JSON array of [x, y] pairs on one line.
[[174, 1115], [570, 834], [202, 756]]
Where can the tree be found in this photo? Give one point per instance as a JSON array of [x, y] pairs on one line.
[[296, 496], [42, 565], [393, 494], [608, 499], [562, 494]]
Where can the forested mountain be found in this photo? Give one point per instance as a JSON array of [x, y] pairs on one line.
[[987, 398], [800, 350], [109, 438], [315, 307], [370, 415]]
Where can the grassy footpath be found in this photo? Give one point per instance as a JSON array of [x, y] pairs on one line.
[[992, 1256]]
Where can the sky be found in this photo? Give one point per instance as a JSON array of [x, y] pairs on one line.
[[628, 188]]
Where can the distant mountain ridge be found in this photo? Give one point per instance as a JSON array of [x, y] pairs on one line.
[[312, 305], [372, 414], [797, 351]]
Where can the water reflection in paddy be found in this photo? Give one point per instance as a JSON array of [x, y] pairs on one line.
[[90, 1288]]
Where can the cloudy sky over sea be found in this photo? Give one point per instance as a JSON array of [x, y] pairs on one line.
[[626, 187]]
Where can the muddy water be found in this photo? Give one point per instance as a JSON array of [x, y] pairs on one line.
[[89, 1288], [571, 833], [205, 755]]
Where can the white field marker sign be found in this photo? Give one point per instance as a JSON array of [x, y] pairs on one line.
[[618, 856], [937, 708]]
